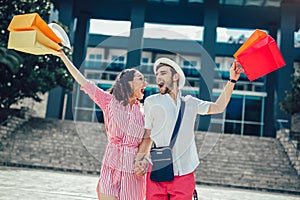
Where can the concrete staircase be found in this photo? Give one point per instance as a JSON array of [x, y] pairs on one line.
[[55, 144], [228, 160], [245, 161]]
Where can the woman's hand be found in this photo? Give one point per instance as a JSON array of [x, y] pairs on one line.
[[60, 53], [141, 166], [77, 75]]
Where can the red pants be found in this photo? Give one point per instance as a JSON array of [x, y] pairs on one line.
[[181, 188]]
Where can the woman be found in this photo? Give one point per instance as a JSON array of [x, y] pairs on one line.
[[124, 124]]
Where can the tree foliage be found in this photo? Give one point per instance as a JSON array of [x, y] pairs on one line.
[[25, 75], [291, 105]]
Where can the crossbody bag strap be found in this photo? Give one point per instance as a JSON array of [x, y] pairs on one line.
[[177, 125]]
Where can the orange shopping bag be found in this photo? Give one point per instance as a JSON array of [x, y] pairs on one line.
[[32, 21], [256, 36], [30, 34], [33, 42], [261, 58]]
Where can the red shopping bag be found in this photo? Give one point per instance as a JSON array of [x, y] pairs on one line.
[[261, 58], [256, 36]]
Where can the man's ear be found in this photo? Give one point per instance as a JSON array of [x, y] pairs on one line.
[[176, 77]]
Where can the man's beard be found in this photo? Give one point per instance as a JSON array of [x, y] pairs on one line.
[[168, 89]]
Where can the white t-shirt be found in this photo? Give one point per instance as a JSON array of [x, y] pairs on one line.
[[160, 117]]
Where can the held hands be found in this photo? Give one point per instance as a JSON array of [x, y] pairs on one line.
[[235, 70], [141, 166]]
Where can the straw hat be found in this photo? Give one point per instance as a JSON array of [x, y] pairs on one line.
[[173, 64]]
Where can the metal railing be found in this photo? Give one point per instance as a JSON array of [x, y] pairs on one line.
[[293, 136]]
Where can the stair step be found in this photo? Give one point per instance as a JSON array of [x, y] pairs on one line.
[[231, 160]]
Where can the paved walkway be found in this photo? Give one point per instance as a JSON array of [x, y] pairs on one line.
[[33, 184]]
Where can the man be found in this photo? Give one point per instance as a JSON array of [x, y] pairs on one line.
[[161, 111]]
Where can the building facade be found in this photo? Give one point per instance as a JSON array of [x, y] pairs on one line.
[[254, 108]]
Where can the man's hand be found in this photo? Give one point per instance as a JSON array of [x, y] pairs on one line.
[[142, 160], [235, 71], [141, 166]]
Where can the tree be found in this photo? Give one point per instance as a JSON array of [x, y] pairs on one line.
[[291, 104], [25, 75]]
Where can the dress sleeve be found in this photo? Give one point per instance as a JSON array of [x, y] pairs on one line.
[[99, 96]]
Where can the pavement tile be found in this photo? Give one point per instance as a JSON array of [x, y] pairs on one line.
[[36, 184]]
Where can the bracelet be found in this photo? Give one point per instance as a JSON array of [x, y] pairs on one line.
[[149, 160], [140, 159], [232, 80]]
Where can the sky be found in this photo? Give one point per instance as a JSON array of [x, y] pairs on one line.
[[122, 28]]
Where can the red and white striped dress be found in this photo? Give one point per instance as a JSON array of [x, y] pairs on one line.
[[125, 130]]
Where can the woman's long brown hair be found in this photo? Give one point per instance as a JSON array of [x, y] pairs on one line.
[[121, 88]]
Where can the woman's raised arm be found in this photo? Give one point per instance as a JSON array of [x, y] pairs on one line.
[[77, 75]]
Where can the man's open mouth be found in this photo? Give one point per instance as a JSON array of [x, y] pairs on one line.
[[161, 84]]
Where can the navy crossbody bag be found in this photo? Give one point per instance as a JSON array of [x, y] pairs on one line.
[[161, 157]]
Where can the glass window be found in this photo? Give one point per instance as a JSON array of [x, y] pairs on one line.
[[84, 115], [150, 91], [98, 57], [104, 87], [193, 63], [93, 76], [94, 60], [195, 1], [234, 108], [251, 129], [121, 58], [233, 35], [114, 57], [85, 101], [99, 114], [233, 128], [145, 60], [92, 56], [217, 121], [186, 63], [118, 63], [215, 127], [297, 39], [154, 1], [253, 109], [217, 116], [87, 63], [171, 1]]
